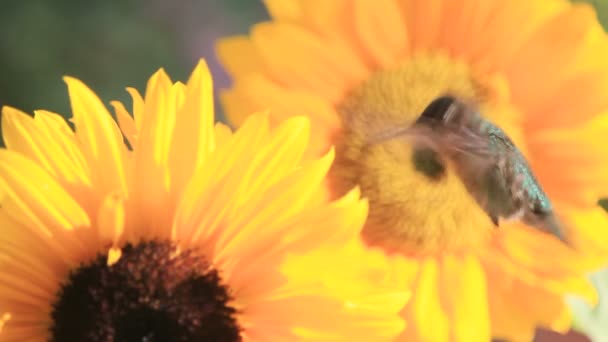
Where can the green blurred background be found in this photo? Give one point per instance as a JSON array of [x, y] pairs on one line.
[[111, 44]]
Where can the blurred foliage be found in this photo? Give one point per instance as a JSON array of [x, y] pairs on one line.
[[593, 320], [601, 7], [604, 203], [107, 44]]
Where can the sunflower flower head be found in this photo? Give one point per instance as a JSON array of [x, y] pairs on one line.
[[538, 70], [169, 227]]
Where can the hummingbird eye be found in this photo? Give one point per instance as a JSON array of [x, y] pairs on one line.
[[439, 110]]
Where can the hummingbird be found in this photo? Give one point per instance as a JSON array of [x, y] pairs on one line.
[[491, 167]]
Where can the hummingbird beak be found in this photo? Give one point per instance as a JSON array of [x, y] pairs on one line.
[[552, 226]]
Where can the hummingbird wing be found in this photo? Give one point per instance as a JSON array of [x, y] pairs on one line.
[[474, 162]]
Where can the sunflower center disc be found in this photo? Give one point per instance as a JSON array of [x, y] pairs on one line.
[[416, 204], [151, 294]]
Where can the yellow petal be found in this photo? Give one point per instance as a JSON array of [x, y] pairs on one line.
[[114, 255], [126, 122], [577, 42], [194, 122], [20, 134], [56, 126], [46, 144], [34, 198], [283, 103], [580, 152], [428, 320], [237, 107], [382, 30], [102, 142], [333, 266], [581, 98], [497, 43], [138, 107], [239, 56], [158, 123], [209, 190], [465, 296], [266, 210], [504, 303], [298, 59], [5, 318], [223, 133], [288, 10], [333, 20], [524, 253], [179, 92], [461, 21], [279, 157], [265, 179], [424, 22], [152, 181], [111, 218]]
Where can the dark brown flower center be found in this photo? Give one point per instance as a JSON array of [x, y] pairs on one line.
[[153, 293]]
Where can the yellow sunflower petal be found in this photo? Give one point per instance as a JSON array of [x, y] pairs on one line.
[[323, 118], [240, 55], [158, 121], [194, 120], [524, 257], [429, 320], [33, 195], [382, 30], [222, 133], [333, 20], [111, 218], [318, 70], [518, 319], [588, 237], [299, 239], [100, 137], [56, 126], [265, 218], [362, 329], [464, 294], [390, 276], [138, 107], [267, 194], [423, 20], [43, 141], [497, 43], [288, 10], [583, 91], [40, 208], [236, 106], [507, 320], [153, 181], [575, 35], [252, 136], [125, 122], [582, 179]]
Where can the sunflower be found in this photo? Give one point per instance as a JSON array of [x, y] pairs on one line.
[[537, 69], [168, 227]]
